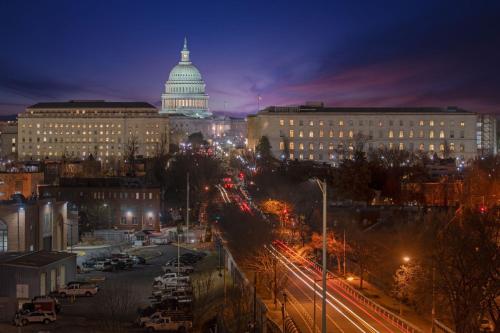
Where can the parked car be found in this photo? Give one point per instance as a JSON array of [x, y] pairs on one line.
[[77, 289], [168, 324], [45, 304], [23, 319]]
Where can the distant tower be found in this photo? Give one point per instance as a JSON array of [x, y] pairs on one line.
[[185, 90]]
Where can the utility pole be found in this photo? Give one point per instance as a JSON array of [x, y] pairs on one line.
[[275, 284], [254, 301], [322, 186], [187, 209], [344, 253]]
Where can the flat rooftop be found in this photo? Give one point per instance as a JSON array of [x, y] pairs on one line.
[[33, 259], [344, 110], [91, 104]]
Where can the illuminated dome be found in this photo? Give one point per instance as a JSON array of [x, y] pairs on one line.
[[185, 90]]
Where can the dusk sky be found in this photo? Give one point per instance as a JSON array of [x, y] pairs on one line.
[[345, 53]]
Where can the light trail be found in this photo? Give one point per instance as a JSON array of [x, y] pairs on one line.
[[338, 289], [279, 256], [223, 194]]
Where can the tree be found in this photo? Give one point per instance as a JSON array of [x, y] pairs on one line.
[[405, 282], [334, 247], [265, 157], [354, 178], [131, 150], [119, 303], [196, 140], [467, 263]]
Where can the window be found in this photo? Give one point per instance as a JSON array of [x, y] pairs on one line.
[[341, 134], [301, 123], [441, 123], [380, 123], [137, 196], [282, 145], [441, 134], [452, 134], [301, 134], [452, 146], [291, 122], [301, 156], [431, 147], [421, 134], [311, 146], [321, 146], [311, 156], [431, 123], [301, 146], [441, 147], [351, 134], [341, 123], [401, 134], [411, 123], [391, 122], [123, 220], [321, 134], [421, 147], [3, 237], [380, 134], [282, 122], [391, 134], [311, 134], [330, 134], [351, 123], [411, 134], [421, 123], [462, 124], [291, 133], [291, 156], [462, 148], [321, 123], [401, 123], [401, 146], [311, 122], [462, 134], [134, 220], [360, 123], [291, 145], [330, 146], [431, 134]]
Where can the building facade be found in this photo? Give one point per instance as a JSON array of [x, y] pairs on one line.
[[34, 225], [8, 140], [326, 134], [110, 202], [185, 90], [24, 183], [77, 129]]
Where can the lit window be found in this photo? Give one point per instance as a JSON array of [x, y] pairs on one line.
[[351, 134], [311, 134], [282, 122], [380, 123], [330, 134], [291, 133], [431, 147], [452, 146], [391, 134], [431, 134], [421, 147], [301, 134], [330, 146], [421, 134], [441, 134], [411, 134], [441, 147], [301, 146], [421, 123], [431, 122], [401, 146], [291, 156], [311, 146], [311, 156], [301, 156], [321, 146], [341, 123], [462, 148], [311, 122], [321, 133], [282, 145], [341, 134], [401, 134], [291, 145], [291, 122], [321, 123], [441, 123], [462, 124]]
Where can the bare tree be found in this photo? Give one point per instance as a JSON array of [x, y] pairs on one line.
[[131, 150], [119, 304]]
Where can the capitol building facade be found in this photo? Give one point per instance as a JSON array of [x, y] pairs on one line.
[[185, 90]]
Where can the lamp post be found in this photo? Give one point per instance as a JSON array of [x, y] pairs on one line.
[[314, 302], [187, 208], [19, 229], [322, 187]]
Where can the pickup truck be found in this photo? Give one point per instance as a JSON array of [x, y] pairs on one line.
[[77, 289], [182, 269], [168, 324]]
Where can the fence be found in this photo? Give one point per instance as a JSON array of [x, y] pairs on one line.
[[439, 327]]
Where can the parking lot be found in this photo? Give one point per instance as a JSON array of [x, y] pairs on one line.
[[85, 313]]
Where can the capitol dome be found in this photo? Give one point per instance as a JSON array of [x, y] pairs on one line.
[[185, 90]]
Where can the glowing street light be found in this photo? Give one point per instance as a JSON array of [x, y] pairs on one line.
[[406, 259]]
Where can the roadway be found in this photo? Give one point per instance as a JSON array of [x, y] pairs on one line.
[[347, 310]]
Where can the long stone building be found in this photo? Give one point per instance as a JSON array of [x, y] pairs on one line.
[[77, 129], [327, 134]]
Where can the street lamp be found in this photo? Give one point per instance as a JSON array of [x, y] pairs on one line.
[[18, 229], [322, 187], [314, 302], [406, 259]]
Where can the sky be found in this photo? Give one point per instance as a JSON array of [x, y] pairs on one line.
[[344, 53]]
